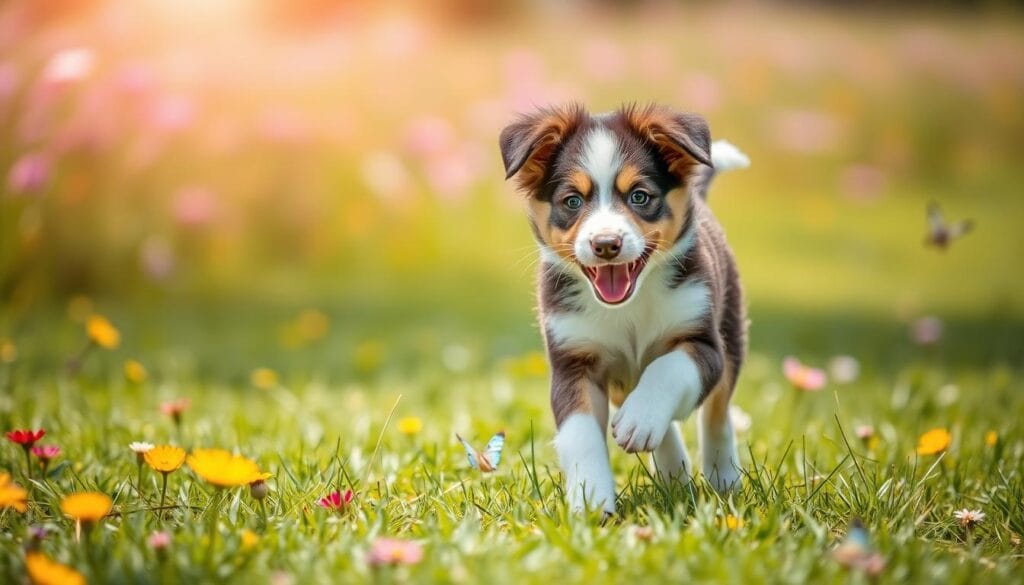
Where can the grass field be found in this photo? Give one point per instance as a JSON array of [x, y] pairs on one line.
[[338, 332]]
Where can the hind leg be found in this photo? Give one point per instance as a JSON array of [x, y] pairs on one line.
[[670, 457], [720, 462]]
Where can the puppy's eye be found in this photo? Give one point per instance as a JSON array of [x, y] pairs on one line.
[[573, 202], [639, 197]]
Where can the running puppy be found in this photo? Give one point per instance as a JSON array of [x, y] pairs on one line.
[[640, 301]]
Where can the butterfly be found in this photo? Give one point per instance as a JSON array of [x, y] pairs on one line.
[[488, 459], [941, 233], [856, 552]]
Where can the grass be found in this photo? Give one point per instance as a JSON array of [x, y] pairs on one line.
[[807, 476]]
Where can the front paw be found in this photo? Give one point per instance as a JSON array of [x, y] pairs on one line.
[[641, 423]]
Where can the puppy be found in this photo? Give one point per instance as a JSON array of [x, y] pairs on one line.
[[640, 301]]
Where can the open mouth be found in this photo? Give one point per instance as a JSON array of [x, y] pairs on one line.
[[614, 283]]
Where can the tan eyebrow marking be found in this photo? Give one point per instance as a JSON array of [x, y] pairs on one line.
[[627, 177], [581, 182]]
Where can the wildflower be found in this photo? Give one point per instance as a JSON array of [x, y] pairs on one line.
[[26, 438], [175, 408], [30, 173], [8, 351], [933, 442], [803, 377], [86, 506], [37, 533], [732, 522], [249, 539], [864, 432], [969, 518], [337, 501], [102, 332], [134, 372], [926, 330], [223, 469], [165, 458], [159, 540], [643, 533], [259, 489], [264, 378], [140, 448], [991, 438], [12, 495], [45, 453], [410, 425], [844, 369], [394, 551], [43, 571]]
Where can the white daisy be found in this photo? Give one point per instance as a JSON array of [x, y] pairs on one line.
[[969, 517], [140, 447]]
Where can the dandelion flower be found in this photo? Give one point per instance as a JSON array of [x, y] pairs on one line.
[[336, 500], [991, 438], [165, 458], [43, 571], [222, 468], [86, 506], [264, 378], [410, 425], [934, 442], [732, 522], [803, 377], [249, 539], [135, 372], [12, 495], [969, 518], [102, 332], [394, 551]]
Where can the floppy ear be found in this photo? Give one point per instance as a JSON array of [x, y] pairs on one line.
[[682, 138], [528, 144]]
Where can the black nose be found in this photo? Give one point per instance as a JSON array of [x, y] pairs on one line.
[[606, 246]]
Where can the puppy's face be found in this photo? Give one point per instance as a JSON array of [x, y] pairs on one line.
[[606, 192]]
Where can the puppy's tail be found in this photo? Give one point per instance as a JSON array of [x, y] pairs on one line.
[[726, 157]]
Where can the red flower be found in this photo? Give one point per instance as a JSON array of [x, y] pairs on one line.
[[175, 408], [336, 500], [46, 452], [25, 438]]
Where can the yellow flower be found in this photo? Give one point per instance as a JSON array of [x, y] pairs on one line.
[[933, 442], [264, 378], [535, 364], [43, 571], [222, 468], [165, 458], [12, 495], [134, 372], [86, 506], [991, 438], [8, 351], [732, 522], [102, 333], [410, 425], [249, 539]]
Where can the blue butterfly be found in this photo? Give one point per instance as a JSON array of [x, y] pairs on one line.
[[490, 457]]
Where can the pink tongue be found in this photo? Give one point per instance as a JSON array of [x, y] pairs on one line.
[[612, 283]]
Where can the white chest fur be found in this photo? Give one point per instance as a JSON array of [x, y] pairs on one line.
[[627, 335]]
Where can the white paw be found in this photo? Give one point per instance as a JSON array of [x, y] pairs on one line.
[[723, 475], [641, 423], [594, 495]]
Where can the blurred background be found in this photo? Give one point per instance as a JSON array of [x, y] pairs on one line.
[[316, 186]]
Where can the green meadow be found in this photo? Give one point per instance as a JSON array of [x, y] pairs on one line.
[[312, 248]]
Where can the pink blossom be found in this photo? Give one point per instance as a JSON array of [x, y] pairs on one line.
[[803, 377], [604, 60], [159, 540], [926, 330], [29, 174], [429, 136], [46, 452], [864, 432], [195, 206], [337, 501], [394, 551]]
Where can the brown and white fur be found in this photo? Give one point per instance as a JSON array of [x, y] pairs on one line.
[[640, 302]]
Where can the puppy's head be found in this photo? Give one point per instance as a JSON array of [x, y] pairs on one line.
[[607, 191]]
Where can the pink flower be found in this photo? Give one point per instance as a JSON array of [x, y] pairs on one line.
[[803, 377], [172, 113], [337, 501], [195, 206], [864, 432], [159, 540], [29, 174], [394, 551], [926, 330], [429, 136], [46, 452], [175, 408]]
